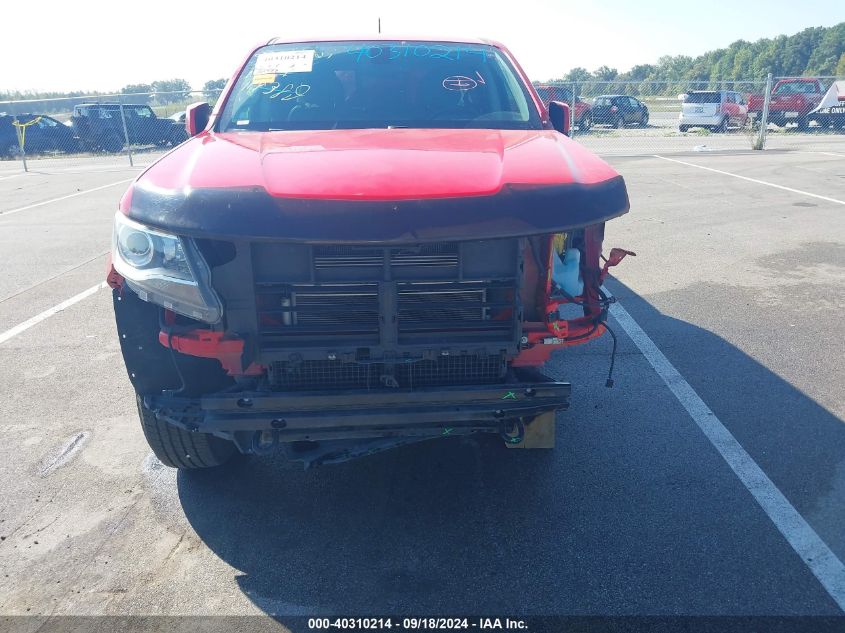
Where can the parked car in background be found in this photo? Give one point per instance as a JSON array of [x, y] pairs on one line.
[[100, 128], [716, 110], [41, 134], [583, 110], [792, 101], [179, 117], [619, 111], [8, 139]]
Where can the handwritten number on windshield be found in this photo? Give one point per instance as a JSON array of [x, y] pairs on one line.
[[435, 51], [287, 93]]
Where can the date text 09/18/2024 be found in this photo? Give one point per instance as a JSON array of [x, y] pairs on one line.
[[416, 624]]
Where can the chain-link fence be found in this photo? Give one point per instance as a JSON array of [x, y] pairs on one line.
[[609, 117], [649, 117], [103, 129]]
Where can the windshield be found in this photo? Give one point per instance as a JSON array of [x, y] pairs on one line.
[[703, 97], [344, 85], [795, 87]]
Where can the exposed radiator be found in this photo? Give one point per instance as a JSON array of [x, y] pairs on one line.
[[361, 296]]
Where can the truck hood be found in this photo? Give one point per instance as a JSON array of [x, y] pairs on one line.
[[412, 184]]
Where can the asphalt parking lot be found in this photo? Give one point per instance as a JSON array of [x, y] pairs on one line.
[[739, 283]]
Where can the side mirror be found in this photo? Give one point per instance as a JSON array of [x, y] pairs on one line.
[[559, 116], [196, 117]]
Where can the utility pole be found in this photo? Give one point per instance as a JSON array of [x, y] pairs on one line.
[[764, 116]]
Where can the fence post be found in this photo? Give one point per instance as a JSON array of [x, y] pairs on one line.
[[19, 136], [572, 111], [764, 116], [126, 136]]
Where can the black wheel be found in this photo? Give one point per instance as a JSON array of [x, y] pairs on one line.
[[683, 128], [803, 123], [178, 136], [644, 121], [111, 142], [723, 126], [586, 122], [12, 150], [620, 122], [181, 449]]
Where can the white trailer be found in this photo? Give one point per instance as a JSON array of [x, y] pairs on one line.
[[831, 111]]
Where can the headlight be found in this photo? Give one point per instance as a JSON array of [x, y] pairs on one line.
[[164, 269], [136, 246]]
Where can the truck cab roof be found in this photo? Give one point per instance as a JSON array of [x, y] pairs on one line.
[[384, 37]]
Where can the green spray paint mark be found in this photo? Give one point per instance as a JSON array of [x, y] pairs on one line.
[[447, 431], [510, 395]]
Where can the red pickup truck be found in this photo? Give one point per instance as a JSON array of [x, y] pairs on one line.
[[583, 115], [367, 243], [792, 101]]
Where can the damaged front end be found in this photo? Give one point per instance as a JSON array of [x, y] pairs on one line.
[[336, 329]]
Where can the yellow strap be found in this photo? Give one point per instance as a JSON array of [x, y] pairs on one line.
[[21, 131], [28, 123]]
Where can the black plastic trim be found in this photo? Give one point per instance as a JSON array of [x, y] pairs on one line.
[[515, 211]]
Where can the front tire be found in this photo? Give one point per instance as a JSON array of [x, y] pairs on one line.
[[586, 123], [13, 150], [723, 126], [181, 449], [620, 122], [177, 136], [111, 143]]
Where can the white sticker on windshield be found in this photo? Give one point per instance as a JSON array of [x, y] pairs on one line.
[[284, 62]]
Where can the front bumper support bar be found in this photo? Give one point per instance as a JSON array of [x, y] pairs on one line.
[[296, 416]]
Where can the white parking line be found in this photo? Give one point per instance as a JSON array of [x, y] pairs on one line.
[[38, 318], [799, 534], [72, 195], [23, 173], [759, 182], [52, 277]]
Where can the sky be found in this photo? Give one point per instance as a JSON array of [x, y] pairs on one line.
[[86, 48]]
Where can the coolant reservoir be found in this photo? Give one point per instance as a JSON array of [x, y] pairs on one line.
[[566, 272]]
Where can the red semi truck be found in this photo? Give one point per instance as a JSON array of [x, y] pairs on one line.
[[792, 101]]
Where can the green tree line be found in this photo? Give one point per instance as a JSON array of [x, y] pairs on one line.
[[813, 51]]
